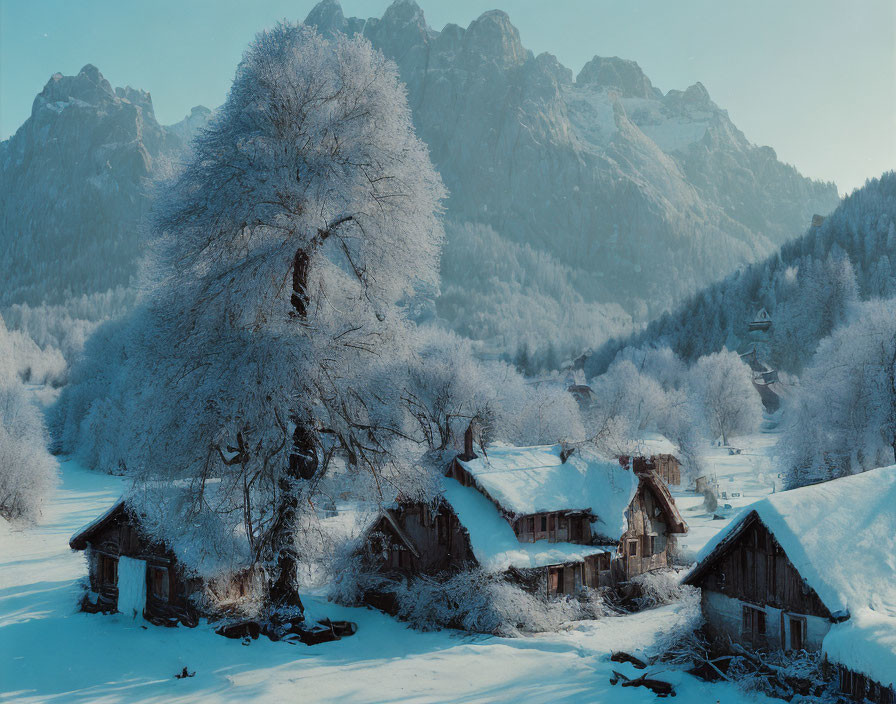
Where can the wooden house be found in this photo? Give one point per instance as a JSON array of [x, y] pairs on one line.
[[812, 569], [557, 519], [655, 453], [135, 576]]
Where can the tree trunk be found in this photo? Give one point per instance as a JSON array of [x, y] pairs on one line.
[[303, 464]]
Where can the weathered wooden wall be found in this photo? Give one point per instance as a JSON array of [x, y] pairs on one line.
[[646, 544], [754, 568]]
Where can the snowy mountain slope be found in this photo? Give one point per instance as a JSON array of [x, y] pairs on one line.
[[807, 288], [603, 173], [75, 185], [43, 657]]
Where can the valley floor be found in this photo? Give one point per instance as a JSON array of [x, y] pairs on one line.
[[50, 652]]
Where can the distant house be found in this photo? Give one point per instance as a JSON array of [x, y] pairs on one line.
[[655, 453], [558, 520], [762, 321], [813, 569], [130, 574]]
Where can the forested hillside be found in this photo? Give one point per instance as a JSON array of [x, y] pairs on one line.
[[808, 288]]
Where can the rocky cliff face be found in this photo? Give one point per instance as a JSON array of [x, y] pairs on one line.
[[75, 183], [649, 195]]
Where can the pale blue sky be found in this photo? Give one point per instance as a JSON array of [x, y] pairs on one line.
[[815, 79]]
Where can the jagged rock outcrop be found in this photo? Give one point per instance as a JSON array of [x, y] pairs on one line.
[[650, 195], [75, 184]]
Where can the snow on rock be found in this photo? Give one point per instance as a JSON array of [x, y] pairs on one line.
[[131, 586], [494, 543], [527, 480]]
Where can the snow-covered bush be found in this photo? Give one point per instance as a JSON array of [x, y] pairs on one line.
[[660, 587], [27, 470], [842, 416], [471, 600]]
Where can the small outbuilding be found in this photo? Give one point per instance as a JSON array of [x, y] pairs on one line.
[[133, 575], [812, 569]]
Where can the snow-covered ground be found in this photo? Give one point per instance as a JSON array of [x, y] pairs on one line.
[[50, 652], [742, 479]]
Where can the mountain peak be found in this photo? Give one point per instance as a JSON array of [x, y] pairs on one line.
[[89, 86], [623, 75], [493, 37], [695, 97], [327, 17]]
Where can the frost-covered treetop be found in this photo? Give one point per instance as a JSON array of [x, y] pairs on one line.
[[314, 146]]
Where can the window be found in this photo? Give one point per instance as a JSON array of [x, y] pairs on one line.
[[632, 548], [544, 524], [562, 522], [551, 522], [603, 562], [530, 525], [652, 545], [108, 570], [753, 626], [158, 582]]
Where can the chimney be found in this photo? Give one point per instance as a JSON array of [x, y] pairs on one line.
[[468, 444]]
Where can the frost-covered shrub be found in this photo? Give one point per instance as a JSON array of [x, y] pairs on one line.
[[27, 470], [660, 587], [471, 600]]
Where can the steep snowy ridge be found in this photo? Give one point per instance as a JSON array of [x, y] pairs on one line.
[[542, 159], [75, 184]]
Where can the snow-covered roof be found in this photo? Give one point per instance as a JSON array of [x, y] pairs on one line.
[[652, 444], [866, 643], [840, 536], [493, 541], [78, 541], [527, 480]]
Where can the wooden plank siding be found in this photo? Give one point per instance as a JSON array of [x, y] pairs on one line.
[[752, 567], [647, 544]]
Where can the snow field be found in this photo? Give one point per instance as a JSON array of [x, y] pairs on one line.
[[50, 652]]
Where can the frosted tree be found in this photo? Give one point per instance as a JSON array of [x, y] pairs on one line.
[[842, 418], [722, 384], [308, 209], [27, 470]]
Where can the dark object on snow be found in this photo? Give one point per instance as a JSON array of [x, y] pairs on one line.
[[324, 631], [658, 687], [241, 629], [619, 656], [184, 674], [299, 631]]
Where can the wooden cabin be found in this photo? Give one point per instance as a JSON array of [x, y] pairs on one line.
[[664, 465], [129, 574], [812, 569], [557, 519]]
